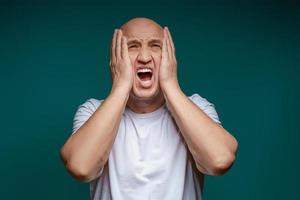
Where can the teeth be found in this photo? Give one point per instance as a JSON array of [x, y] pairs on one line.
[[143, 70]]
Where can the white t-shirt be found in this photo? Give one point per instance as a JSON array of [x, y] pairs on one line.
[[149, 159]]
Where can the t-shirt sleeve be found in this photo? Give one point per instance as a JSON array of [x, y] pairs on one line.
[[84, 112], [206, 106]]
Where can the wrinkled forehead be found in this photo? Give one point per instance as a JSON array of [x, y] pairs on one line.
[[143, 32]]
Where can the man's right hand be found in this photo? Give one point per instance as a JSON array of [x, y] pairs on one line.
[[120, 65], [81, 153]]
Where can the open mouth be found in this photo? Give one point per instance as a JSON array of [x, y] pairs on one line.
[[145, 77], [144, 74]]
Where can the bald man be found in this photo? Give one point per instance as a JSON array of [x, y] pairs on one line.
[[147, 139]]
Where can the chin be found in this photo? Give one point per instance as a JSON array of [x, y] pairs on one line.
[[145, 94]]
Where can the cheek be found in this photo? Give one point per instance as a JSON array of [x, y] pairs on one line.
[[157, 59], [132, 57]]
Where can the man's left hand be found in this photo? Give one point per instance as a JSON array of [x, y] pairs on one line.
[[168, 65]]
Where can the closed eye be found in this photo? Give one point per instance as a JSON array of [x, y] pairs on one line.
[[132, 46], [156, 45]]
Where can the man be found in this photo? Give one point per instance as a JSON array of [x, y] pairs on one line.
[[147, 139]]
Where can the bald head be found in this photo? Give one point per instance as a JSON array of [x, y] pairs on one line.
[[143, 26], [140, 21]]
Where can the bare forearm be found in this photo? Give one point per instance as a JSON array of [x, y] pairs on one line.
[[87, 150], [211, 146]]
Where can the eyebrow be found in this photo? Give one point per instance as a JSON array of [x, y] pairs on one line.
[[153, 40]]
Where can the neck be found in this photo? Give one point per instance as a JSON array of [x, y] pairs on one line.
[[139, 105]]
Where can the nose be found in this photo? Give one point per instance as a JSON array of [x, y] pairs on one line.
[[144, 56]]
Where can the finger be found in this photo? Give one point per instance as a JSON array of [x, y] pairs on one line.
[[112, 48], [171, 42], [168, 45], [124, 47], [172, 45], [164, 53], [112, 72], [118, 49]]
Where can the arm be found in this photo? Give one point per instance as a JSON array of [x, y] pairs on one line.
[[86, 151], [211, 146]]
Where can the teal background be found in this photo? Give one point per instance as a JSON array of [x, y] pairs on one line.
[[241, 56]]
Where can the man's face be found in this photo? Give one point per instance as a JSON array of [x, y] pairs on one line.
[[144, 47]]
